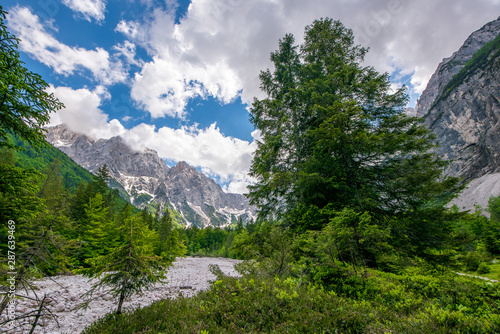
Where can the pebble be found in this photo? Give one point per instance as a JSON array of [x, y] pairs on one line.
[[63, 295]]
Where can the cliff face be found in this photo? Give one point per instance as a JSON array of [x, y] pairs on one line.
[[147, 179], [452, 65], [461, 105]]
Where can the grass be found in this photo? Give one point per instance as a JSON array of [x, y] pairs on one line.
[[494, 272]]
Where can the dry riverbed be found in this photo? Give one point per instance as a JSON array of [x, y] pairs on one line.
[[187, 276]]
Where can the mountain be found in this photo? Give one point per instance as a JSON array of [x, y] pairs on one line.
[[145, 179], [461, 105]]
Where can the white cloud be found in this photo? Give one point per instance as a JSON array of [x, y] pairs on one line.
[[225, 158], [82, 113], [127, 50], [220, 47], [88, 9], [65, 60], [129, 28]]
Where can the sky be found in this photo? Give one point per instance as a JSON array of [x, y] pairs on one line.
[[179, 76]]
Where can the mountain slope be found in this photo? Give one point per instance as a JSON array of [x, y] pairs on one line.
[[145, 179], [461, 105]]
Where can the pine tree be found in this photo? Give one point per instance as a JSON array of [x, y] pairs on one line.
[[131, 267], [24, 103]]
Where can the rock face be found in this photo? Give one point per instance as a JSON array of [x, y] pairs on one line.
[[146, 179], [452, 65], [461, 105]]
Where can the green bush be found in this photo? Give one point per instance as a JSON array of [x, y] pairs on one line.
[[483, 268], [377, 302]]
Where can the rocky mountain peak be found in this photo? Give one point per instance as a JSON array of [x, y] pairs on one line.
[[182, 167], [461, 106], [146, 179], [452, 65]]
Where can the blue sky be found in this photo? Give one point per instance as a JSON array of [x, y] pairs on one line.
[[179, 76]]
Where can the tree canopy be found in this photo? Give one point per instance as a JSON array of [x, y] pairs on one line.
[[24, 102], [335, 135]]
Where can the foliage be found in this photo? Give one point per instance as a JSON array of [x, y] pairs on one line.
[[333, 135], [131, 267], [413, 302], [24, 103]]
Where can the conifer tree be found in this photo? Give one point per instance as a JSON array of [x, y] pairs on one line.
[[335, 136], [24, 103], [131, 267]]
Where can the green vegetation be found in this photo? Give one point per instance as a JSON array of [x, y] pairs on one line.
[[41, 158], [377, 303], [353, 235]]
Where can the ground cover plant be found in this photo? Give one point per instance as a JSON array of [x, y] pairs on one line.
[[411, 302]]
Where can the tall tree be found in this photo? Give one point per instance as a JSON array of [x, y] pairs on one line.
[[334, 134], [24, 103]]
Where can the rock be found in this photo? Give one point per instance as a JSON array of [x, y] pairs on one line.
[[107, 297], [452, 65], [465, 116], [146, 178]]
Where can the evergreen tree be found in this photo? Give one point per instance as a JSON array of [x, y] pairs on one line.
[[24, 103], [97, 233], [52, 189], [101, 180], [131, 267], [169, 243], [334, 135], [491, 229]]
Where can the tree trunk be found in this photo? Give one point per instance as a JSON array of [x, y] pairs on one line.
[[124, 284]]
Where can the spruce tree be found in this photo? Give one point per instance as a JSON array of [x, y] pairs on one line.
[[131, 267], [24, 103], [335, 136]]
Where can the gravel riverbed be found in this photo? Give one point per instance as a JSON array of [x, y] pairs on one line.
[[187, 276]]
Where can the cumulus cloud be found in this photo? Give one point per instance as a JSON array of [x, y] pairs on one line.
[[82, 113], [65, 60], [87, 9], [220, 47], [224, 158], [129, 28]]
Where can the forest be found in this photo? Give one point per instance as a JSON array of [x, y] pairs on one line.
[[354, 233]]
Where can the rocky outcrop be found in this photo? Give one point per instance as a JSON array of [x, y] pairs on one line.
[[452, 65], [147, 179], [461, 105]]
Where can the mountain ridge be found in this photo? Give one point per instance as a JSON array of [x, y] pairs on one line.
[[148, 181], [461, 106]]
